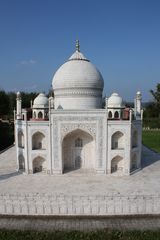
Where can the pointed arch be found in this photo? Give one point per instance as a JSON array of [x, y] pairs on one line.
[[117, 140], [116, 114], [117, 164], [78, 151], [73, 128], [39, 164], [109, 114], [40, 115], [38, 141], [21, 162], [20, 139]]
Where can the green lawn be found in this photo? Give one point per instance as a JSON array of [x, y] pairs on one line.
[[77, 235], [151, 139]]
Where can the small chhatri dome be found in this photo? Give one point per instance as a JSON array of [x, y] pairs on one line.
[[115, 101], [76, 82], [41, 101]]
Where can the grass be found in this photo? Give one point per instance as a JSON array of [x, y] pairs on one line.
[[151, 139], [78, 235]]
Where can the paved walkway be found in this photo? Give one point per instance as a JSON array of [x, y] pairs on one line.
[[144, 182], [81, 224]]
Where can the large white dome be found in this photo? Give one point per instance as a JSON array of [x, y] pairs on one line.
[[78, 84], [77, 72]]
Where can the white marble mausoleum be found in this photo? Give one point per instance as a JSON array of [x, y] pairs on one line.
[[77, 129]]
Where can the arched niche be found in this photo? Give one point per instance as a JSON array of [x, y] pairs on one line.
[[40, 115], [116, 115], [20, 139], [109, 114], [38, 141], [78, 151], [117, 164], [21, 162], [39, 164], [117, 140]]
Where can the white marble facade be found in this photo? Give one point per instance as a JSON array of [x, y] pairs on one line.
[[76, 131]]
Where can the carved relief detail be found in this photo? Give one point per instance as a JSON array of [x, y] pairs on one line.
[[74, 92], [100, 143], [41, 130], [62, 125], [69, 127], [55, 143]]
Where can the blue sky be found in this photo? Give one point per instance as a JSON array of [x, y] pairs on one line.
[[121, 37]]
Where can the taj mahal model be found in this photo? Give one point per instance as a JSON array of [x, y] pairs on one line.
[[78, 130]]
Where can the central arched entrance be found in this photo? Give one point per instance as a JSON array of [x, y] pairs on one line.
[[78, 151]]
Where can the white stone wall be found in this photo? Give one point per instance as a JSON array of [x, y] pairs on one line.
[[75, 102], [21, 151], [124, 146], [66, 122], [44, 204], [110, 148], [136, 149], [29, 128], [43, 128]]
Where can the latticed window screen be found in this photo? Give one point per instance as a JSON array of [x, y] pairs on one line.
[[78, 142]]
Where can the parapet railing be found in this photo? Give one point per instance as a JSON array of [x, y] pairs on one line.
[[45, 204]]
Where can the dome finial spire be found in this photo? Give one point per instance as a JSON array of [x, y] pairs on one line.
[[77, 46]]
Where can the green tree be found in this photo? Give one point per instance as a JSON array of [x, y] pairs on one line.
[[6, 135], [156, 100], [4, 103], [26, 99], [12, 102]]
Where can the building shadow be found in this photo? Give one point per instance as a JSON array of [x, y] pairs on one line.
[[149, 157], [9, 175]]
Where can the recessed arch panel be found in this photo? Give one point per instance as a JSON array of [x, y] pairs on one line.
[[21, 162], [20, 139], [117, 164], [39, 164], [117, 140], [78, 151], [38, 141]]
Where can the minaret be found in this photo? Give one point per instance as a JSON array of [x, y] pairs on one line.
[[137, 105], [51, 102], [19, 106]]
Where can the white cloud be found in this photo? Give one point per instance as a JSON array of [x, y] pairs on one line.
[[31, 61], [27, 62]]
